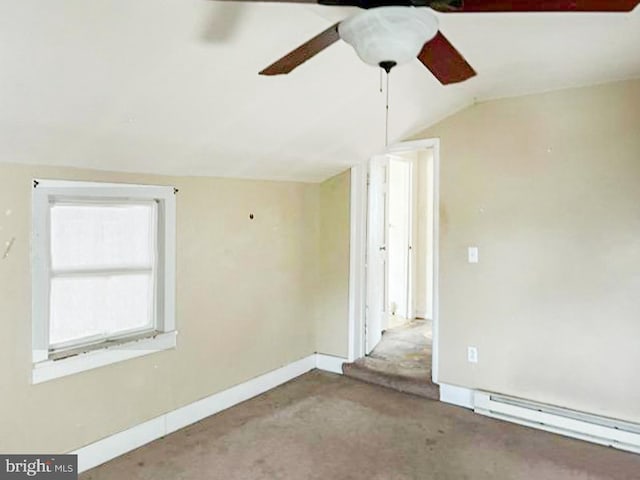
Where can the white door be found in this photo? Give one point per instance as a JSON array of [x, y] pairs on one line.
[[377, 290]]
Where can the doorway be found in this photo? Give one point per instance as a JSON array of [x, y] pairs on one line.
[[398, 319], [400, 246]]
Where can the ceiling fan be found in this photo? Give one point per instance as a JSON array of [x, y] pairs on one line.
[[390, 33]]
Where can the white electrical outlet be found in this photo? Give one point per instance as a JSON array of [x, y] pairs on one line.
[[472, 354], [473, 255]]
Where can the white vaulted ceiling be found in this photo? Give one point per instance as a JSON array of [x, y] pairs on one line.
[[171, 86]]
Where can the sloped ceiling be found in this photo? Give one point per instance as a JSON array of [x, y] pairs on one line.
[[171, 86]]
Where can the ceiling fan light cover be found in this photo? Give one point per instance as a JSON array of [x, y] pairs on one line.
[[389, 34]]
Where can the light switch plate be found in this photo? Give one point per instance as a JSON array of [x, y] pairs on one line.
[[473, 255]]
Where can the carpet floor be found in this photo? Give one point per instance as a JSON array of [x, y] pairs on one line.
[[402, 361], [326, 426]]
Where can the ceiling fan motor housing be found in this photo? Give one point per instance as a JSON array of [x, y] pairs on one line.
[[389, 35]]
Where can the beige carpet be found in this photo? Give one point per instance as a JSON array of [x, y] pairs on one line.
[[402, 361], [325, 426]]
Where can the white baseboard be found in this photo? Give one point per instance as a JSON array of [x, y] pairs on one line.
[[329, 363], [460, 396], [206, 407], [111, 447], [120, 443]]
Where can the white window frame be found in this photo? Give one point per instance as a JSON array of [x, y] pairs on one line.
[[47, 366]]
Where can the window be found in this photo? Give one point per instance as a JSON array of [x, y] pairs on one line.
[[103, 274]]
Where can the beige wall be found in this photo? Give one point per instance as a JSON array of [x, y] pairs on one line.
[[245, 292], [332, 294], [548, 186]]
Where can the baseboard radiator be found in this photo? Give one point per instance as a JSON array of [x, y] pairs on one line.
[[592, 428]]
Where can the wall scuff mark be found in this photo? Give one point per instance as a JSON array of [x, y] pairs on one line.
[[8, 245]]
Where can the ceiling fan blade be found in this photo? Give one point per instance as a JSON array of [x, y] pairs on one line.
[[546, 6], [444, 61], [304, 52]]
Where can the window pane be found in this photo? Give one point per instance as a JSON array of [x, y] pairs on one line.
[[99, 305], [102, 236]]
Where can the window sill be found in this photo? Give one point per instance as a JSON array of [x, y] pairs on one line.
[[51, 369]]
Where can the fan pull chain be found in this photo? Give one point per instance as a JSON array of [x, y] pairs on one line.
[[381, 80], [386, 120], [387, 66]]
